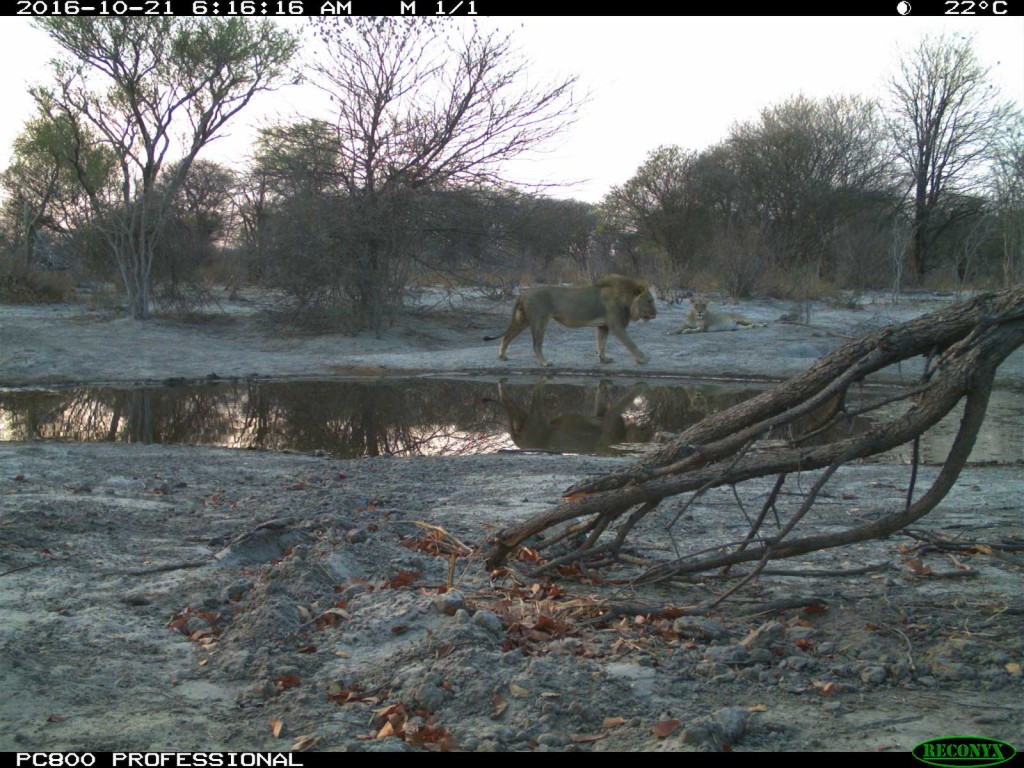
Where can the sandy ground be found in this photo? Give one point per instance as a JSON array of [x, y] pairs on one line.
[[177, 598], [70, 344]]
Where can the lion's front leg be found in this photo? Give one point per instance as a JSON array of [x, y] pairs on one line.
[[687, 326], [619, 331], [602, 339]]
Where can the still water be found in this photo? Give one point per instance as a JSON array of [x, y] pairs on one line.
[[427, 416]]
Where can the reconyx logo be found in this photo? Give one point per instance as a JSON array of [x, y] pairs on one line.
[[960, 751]]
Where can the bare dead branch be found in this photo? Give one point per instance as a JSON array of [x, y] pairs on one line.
[[970, 341]]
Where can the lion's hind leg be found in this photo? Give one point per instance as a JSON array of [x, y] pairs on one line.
[[746, 322], [537, 327], [518, 325]]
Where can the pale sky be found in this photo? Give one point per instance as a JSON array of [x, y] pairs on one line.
[[652, 80]]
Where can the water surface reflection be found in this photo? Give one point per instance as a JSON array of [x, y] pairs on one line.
[[421, 416]]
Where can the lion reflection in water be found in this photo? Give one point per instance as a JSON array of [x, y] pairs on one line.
[[532, 429]]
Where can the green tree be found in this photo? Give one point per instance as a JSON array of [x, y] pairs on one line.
[[197, 218], [148, 87], [944, 120], [47, 179], [299, 159], [807, 167], [660, 205]]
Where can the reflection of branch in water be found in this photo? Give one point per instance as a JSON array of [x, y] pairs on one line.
[[449, 440]]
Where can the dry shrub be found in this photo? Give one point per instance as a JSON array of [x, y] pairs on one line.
[[941, 280], [20, 284], [735, 261], [796, 284], [107, 297], [703, 281], [221, 269]]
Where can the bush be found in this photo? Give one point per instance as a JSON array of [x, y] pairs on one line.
[[20, 284]]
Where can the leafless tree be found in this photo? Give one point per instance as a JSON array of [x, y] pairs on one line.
[[1007, 189], [422, 106], [901, 234], [944, 118]]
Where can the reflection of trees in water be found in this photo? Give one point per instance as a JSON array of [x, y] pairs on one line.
[[407, 417], [367, 419], [340, 418], [390, 417], [165, 415]]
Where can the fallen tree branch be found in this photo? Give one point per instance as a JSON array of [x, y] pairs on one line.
[[968, 341]]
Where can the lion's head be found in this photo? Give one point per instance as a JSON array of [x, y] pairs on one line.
[[698, 307], [629, 291], [642, 307]]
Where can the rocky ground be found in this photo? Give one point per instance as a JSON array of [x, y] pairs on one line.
[[183, 598]]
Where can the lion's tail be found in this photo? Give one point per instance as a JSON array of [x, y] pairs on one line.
[[515, 311]]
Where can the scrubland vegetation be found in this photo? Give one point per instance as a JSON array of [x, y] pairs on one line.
[[345, 216]]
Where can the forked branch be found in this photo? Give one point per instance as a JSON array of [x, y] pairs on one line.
[[968, 341]]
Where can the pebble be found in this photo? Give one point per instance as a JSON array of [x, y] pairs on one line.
[[873, 675], [727, 654], [800, 633], [488, 620], [952, 670], [798, 663], [697, 628], [502, 734], [553, 739], [732, 721], [356, 535], [450, 602], [236, 590], [428, 696], [194, 624], [722, 729], [766, 635]]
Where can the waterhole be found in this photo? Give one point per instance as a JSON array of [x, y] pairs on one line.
[[437, 417]]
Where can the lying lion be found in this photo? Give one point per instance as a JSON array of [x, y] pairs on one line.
[[608, 305], [702, 320]]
